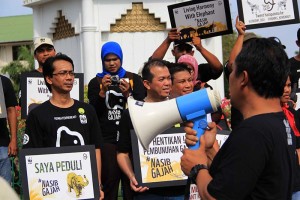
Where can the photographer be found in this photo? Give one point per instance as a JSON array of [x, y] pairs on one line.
[[108, 93]]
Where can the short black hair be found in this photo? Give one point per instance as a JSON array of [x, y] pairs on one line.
[[183, 47], [146, 74], [48, 67], [298, 34], [267, 66], [178, 67]]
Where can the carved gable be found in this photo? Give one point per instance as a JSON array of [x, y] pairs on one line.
[[63, 28], [137, 19]]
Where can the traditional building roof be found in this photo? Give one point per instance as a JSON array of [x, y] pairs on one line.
[[15, 29]]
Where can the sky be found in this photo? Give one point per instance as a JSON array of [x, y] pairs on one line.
[[287, 33]]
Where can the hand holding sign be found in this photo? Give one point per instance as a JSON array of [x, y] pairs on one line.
[[203, 19]]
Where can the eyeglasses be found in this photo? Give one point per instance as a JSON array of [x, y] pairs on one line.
[[65, 73]]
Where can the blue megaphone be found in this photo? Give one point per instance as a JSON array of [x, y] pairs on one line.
[[151, 119]]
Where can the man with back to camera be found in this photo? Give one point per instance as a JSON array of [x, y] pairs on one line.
[[256, 161], [206, 71], [68, 122]]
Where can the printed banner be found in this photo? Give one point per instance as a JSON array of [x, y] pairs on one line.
[[159, 165], [59, 173], [35, 91], [3, 113], [266, 13], [203, 18]]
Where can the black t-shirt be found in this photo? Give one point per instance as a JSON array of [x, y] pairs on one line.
[[109, 109], [51, 126], [256, 161], [124, 143], [10, 101]]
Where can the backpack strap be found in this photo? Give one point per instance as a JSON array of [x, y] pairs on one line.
[[100, 82], [130, 76]]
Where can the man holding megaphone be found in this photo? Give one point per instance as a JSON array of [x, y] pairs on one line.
[[157, 80], [256, 161]]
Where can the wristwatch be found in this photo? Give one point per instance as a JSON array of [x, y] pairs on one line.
[[195, 170]]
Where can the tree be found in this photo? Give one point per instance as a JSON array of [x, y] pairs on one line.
[[14, 69], [227, 44]]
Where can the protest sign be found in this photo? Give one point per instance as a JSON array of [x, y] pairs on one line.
[[203, 18], [34, 91], [59, 173], [261, 14], [159, 165]]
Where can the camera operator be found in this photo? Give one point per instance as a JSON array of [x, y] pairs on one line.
[[108, 93]]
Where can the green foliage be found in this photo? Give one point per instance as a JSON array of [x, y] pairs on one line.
[[15, 68], [25, 54], [227, 44]]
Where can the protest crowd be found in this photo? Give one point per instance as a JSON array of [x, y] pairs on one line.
[[259, 159]]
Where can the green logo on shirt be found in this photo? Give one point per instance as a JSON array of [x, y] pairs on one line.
[[81, 110]]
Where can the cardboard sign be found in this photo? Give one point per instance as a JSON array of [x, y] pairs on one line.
[[59, 173], [34, 91], [203, 18], [260, 14], [3, 113], [159, 165]]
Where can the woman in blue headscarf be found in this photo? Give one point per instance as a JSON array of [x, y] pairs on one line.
[[107, 93], [112, 60]]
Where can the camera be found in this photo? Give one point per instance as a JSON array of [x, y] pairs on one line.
[[115, 80]]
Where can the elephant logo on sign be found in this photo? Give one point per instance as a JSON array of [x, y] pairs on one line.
[[77, 183], [254, 7]]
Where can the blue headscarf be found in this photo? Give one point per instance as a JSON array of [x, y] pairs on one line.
[[114, 48]]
